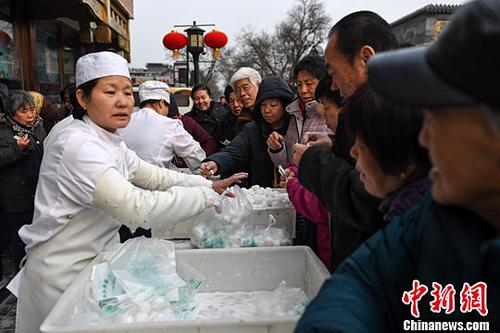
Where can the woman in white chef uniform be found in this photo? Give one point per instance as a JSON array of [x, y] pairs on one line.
[[90, 184]]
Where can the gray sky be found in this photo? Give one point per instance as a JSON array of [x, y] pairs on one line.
[[154, 18]]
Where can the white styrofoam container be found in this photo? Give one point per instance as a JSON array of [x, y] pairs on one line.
[[226, 270]]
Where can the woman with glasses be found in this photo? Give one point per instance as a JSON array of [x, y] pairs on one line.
[[248, 150], [21, 150], [206, 112], [245, 82]]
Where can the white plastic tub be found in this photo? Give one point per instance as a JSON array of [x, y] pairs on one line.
[[226, 270]]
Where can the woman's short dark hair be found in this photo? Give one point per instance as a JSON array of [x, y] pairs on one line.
[[199, 87], [324, 91], [18, 99], [388, 130], [311, 63], [87, 88], [227, 91]]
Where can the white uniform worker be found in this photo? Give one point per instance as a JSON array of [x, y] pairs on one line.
[[154, 136], [89, 184]]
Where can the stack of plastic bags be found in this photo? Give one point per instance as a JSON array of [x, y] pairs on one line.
[[142, 282], [139, 282]]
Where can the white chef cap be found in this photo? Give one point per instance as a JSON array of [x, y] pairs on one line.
[[154, 90], [100, 64]]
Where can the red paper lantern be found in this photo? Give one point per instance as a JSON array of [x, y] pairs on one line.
[[216, 40], [174, 41]]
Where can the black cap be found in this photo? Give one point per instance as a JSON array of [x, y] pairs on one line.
[[461, 68]]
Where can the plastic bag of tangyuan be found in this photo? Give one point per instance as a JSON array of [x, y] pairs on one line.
[[272, 236], [215, 227], [135, 283], [146, 268], [186, 305]]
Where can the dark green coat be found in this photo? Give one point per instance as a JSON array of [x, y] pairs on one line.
[[431, 243]]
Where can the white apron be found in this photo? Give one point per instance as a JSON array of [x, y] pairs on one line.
[[51, 267]]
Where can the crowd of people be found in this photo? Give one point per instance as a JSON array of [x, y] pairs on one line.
[[390, 156]]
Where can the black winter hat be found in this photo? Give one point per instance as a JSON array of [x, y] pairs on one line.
[[461, 68], [273, 87]]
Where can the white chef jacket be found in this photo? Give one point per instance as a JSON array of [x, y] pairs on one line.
[[68, 231], [70, 170], [155, 138], [55, 130]]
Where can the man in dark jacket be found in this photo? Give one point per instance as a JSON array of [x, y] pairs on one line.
[[330, 173], [437, 266], [248, 150]]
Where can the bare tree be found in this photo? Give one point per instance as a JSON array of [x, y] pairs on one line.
[[304, 27]]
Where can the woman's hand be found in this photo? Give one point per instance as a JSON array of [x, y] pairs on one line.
[[298, 151], [289, 174], [274, 141], [23, 142], [220, 186], [208, 169], [319, 139]]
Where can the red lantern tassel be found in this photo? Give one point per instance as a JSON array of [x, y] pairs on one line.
[[216, 54], [176, 54]]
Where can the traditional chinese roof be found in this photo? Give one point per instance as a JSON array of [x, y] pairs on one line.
[[428, 10]]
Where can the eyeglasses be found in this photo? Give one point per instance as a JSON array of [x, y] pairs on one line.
[[245, 89]]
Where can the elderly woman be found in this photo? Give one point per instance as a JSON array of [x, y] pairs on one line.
[[21, 136], [245, 82], [90, 184], [248, 150]]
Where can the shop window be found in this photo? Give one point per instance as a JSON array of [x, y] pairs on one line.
[[47, 58], [10, 68], [69, 65], [71, 44]]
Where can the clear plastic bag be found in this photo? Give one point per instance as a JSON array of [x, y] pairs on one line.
[[272, 236], [137, 283], [214, 228], [233, 226], [282, 301], [147, 268], [186, 305]]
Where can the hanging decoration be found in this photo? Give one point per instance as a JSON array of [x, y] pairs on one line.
[[174, 41], [216, 40]]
